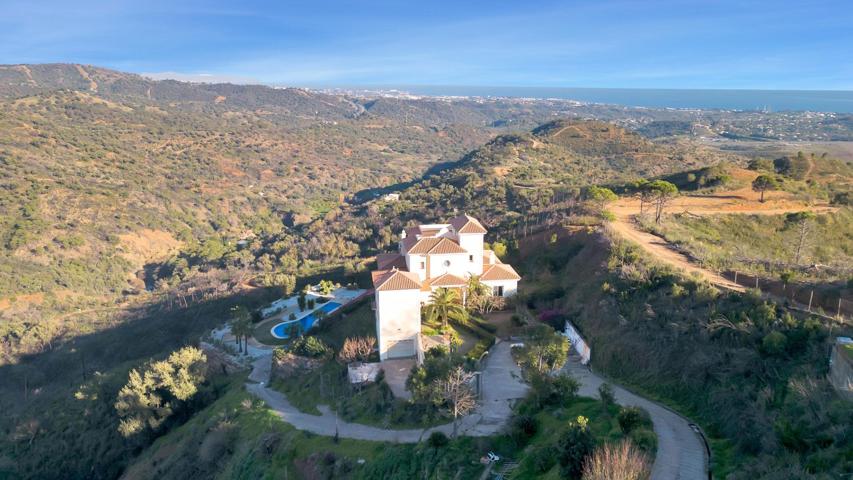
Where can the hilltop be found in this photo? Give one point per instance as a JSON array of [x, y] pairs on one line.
[[137, 213], [18, 81]]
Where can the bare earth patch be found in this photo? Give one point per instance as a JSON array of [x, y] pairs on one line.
[[146, 245], [741, 201]]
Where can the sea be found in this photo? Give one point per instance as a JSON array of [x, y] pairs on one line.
[[839, 101]]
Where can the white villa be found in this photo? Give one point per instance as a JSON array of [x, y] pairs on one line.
[[430, 257]]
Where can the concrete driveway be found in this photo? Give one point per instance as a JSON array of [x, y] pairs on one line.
[[501, 383], [681, 453], [502, 386]]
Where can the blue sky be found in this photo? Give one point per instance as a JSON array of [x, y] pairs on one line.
[[656, 44]]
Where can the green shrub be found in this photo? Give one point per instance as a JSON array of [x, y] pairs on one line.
[[309, 347], [522, 429], [605, 393], [774, 343], [542, 458], [574, 446], [437, 440], [630, 418], [644, 438]]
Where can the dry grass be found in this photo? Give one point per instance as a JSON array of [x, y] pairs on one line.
[[622, 461]]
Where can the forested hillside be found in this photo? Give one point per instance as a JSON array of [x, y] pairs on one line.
[[100, 181], [135, 214]]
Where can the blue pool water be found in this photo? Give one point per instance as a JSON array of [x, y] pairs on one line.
[[305, 322]]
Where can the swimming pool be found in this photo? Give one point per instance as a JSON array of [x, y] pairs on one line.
[[306, 322]]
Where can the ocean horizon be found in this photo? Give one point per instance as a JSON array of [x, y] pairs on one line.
[[837, 101]]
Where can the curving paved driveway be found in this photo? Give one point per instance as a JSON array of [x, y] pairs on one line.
[[501, 386], [681, 453]]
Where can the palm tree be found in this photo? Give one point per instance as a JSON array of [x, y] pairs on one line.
[[241, 326], [476, 290], [476, 287], [444, 304]]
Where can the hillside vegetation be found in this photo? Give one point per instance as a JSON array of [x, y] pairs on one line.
[[123, 201], [770, 245], [99, 182], [750, 372]]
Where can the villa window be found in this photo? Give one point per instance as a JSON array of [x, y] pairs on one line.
[[447, 263], [471, 258], [498, 291], [423, 265]]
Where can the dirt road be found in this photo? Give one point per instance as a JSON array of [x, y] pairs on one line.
[[742, 201]]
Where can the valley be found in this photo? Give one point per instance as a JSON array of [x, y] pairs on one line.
[[138, 216]]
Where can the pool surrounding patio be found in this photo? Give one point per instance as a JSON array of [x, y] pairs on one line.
[[284, 314], [281, 330]]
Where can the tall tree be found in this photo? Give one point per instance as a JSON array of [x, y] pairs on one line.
[[288, 284], [544, 349], [457, 393], [644, 192], [445, 304], [241, 326], [662, 193], [600, 196], [802, 223], [762, 183]]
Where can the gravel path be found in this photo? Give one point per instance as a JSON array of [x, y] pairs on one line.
[[681, 453]]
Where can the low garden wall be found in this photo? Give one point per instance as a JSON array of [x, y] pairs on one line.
[[577, 342]]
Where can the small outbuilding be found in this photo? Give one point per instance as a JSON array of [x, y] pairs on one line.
[[363, 373]]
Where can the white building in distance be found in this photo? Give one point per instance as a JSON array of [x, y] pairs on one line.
[[431, 257]]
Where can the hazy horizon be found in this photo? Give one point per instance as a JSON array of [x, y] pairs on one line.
[[665, 44]]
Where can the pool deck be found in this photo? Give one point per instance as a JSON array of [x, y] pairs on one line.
[[342, 295]]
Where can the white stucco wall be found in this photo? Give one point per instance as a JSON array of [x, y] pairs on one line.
[[398, 317], [458, 265], [413, 263], [510, 286], [473, 244]]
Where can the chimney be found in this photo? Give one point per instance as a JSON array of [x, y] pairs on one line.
[[403, 234]]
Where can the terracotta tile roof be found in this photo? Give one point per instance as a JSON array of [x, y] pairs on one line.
[[423, 246], [467, 224], [385, 280], [447, 280], [408, 242], [429, 232], [387, 261], [499, 271], [446, 245], [435, 245]]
